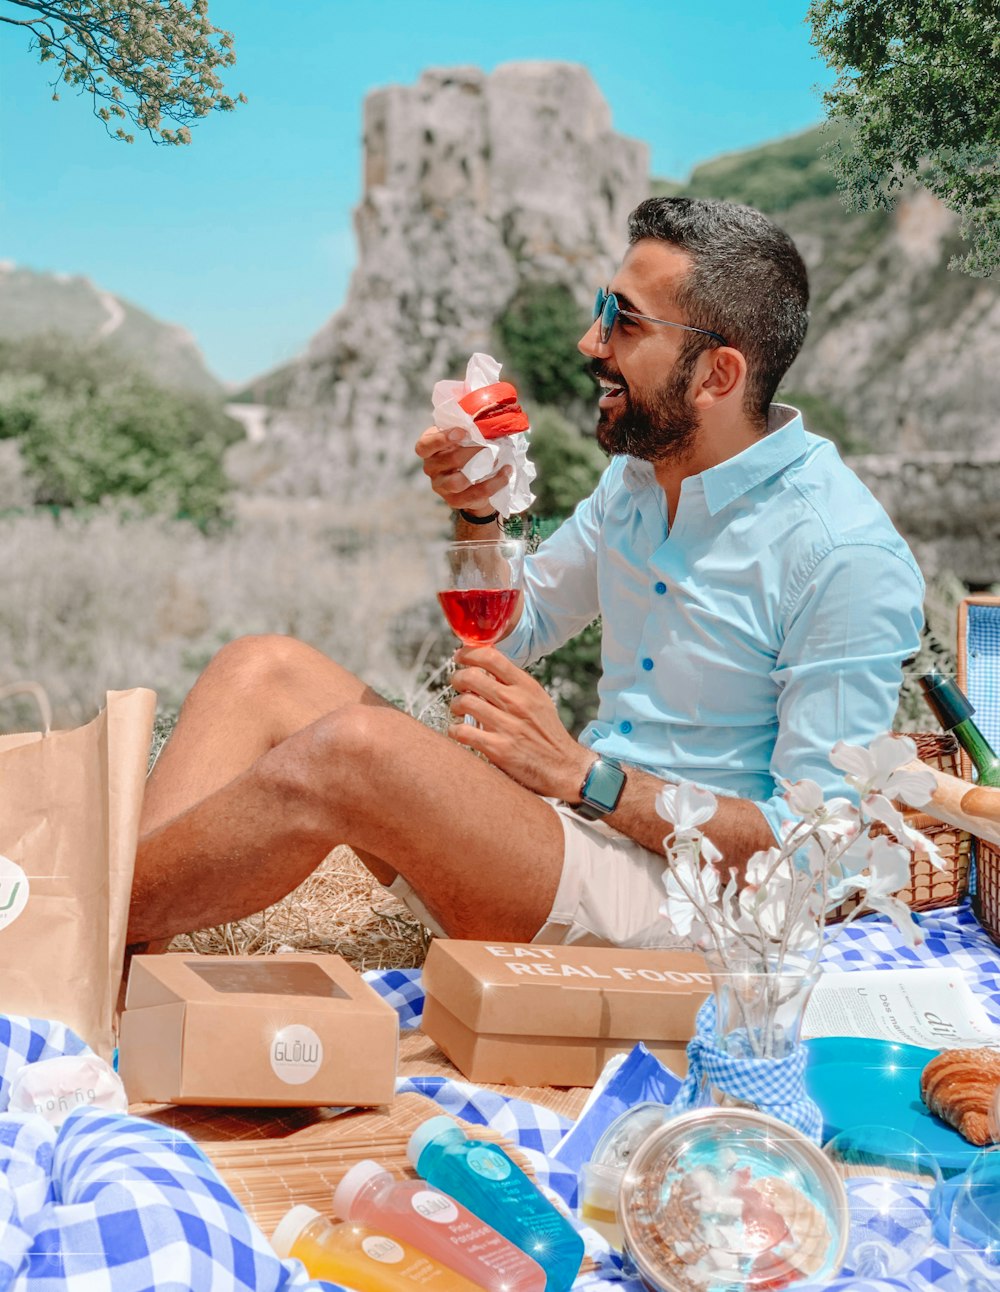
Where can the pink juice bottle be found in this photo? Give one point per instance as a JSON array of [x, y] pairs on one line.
[[413, 1212]]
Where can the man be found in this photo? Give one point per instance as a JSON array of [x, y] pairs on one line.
[[757, 605]]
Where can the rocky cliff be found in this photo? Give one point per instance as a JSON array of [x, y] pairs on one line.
[[473, 186], [476, 185], [904, 348], [900, 352]]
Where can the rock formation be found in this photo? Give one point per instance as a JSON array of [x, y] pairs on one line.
[[902, 345], [473, 185]]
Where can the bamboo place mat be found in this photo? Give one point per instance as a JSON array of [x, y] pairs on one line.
[[270, 1176], [275, 1158]]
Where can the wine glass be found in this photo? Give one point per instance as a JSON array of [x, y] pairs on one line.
[[479, 582], [975, 1224], [480, 587], [890, 1178]]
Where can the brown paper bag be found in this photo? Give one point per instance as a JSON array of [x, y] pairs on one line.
[[69, 823]]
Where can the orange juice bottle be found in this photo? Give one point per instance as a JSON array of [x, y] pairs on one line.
[[360, 1257]]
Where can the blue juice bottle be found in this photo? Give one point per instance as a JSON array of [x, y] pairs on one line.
[[483, 1179]]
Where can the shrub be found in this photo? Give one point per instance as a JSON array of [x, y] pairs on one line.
[[90, 428], [537, 336]]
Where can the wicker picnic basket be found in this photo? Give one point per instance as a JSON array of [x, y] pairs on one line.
[[986, 902], [930, 888], [978, 667]]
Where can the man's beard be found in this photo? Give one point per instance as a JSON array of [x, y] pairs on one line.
[[657, 427]]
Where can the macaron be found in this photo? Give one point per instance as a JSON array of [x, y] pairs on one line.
[[495, 410]]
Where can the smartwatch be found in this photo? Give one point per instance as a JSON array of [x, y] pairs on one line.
[[601, 790]]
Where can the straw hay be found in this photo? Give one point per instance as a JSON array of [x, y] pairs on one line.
[[340, 909]]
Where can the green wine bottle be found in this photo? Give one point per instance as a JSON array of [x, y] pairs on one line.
[[952, 709]]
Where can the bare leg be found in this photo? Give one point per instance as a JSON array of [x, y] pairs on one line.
[[255, 693], [224, 837]]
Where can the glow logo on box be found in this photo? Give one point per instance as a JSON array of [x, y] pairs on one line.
[[13, 891], [296, 1054]]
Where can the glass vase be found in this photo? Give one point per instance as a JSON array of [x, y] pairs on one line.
[[759, 1010]]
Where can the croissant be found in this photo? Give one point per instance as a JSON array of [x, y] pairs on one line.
[[959, 1086]]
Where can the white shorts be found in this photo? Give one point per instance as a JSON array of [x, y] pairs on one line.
[[609, 893]]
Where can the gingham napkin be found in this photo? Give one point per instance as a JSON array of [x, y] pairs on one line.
[[775, 1086]]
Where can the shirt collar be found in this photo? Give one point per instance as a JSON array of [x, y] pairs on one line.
[[784, 442]]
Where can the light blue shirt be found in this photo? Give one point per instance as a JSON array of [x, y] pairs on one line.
[[771, 620]]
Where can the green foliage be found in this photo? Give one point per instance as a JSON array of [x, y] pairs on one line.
[[569, 467], [153, 63], [771, 178], [537, 335], [571, 674], [917, 88], [569, 464], [90, 428]]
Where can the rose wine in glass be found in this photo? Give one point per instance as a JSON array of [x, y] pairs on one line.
[[482, 588]]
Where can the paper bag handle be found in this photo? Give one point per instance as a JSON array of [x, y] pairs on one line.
[[39, 695]]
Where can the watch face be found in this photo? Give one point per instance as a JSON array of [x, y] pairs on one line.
[[604, 785]]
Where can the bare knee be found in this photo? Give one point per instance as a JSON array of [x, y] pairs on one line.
[[339, 761], [262, 662]]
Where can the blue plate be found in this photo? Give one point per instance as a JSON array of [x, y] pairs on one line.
[[858, 1081]]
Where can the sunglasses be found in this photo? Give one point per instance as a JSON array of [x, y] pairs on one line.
[[607, 309]]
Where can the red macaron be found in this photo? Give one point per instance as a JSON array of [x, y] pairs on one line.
[[495, 410]]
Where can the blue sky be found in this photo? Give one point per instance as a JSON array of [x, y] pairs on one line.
[[244, 237]]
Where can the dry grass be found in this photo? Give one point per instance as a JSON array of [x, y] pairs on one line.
[[98, 601], [339, 909]]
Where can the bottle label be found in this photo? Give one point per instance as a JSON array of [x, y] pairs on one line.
[[434, 1206], [488, 1163], [382, 1249], [296, 1054]]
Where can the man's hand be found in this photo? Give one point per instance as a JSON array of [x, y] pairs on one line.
[[444, 456], [520, 731]]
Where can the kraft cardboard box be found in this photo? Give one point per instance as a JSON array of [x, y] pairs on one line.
[[259, 1031], [529, 1015]]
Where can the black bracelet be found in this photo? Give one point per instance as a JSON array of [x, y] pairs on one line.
[[478, 520]]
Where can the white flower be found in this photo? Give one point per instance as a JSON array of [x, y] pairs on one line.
[[879, 768], [760, 865], [780, 913], [805, 798], [687, 918], [882, 810], [686, 806], [889, 872], [888, 866]]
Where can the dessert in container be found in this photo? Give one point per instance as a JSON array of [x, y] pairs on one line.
[[719, 1200]]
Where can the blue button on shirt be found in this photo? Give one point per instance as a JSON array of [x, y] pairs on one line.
[[789, 604]]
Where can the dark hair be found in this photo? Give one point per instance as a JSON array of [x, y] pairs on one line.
[[747, 282]]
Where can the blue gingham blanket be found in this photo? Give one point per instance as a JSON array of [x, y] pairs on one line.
[[112, 1203]]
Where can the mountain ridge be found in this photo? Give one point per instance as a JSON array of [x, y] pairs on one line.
[[35, 302]]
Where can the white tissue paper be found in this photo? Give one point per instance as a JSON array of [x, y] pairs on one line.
[[509, 451], [52, 1088]]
